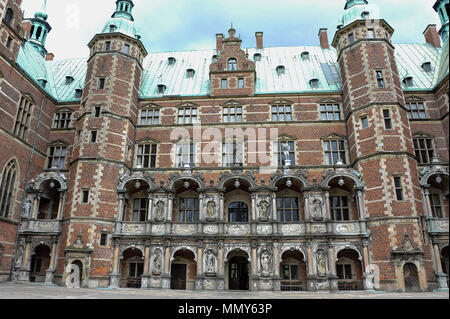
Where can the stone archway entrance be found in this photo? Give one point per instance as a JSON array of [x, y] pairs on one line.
[[444, 261], [238, 274], [411, 277], [183, 270], [40, 261], [78, 264]]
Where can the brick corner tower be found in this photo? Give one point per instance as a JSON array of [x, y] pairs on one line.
[[105, 132], [381, 147]]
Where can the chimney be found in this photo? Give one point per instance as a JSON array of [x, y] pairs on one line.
[[432, 36], [49, 57], [323, 37], [26, 26], [219, 42], [259, 40]]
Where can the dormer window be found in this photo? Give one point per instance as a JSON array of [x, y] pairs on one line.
[[215, 58], [112, 28], [408, 81], [257, 57], [161, 88], [42, 82], [314, 83], [305, 55], [9, 16], [171, 60], [365, 15], [78, 93], [69, 80], [232, 64], [190, 73], [280, 69], [427, 67]]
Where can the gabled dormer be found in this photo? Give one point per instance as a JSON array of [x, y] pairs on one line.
[[232, 73]]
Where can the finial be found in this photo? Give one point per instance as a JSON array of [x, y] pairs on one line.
[[44, 6]]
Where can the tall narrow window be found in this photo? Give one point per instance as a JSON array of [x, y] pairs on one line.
[[23, 118], [232, 153], [423, 148], [370, 33], [436, 205], [344, 271], [380, 79], [103, 239], [387, 119], [85, 198], [279, 149], [126, 49], [56, 157], [240, 83], [146, 157], [398, 187], [7, 189], [8, 42], [189, 210], [93, 136], [339, 208], [9, 16], [232, 64], [107, 46], [224, 84], [97, 111], [334, 151], [101, 83], [287, 209], [351, 38], [364, 122], [330, 112], [140, 209], [185, 155]]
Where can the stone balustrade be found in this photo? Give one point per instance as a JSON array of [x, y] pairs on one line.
[[438, 225], [52, 226]]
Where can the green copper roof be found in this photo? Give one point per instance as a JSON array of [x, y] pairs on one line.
[[356, 10], [122, 25]]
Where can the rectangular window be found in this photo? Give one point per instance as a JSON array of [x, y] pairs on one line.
[[187, 115], [344, 272], [8, 42], [146, 157], [288, 209], [330, 112], [149, 117], [281, 113], [101, 83], [140, 209], [351, 38], [56, 157], [224, 84], [232, 114], [23, 118], [387, 119], [423, 148], [416, 110], [62, 120], [97, 111], [339, 208], [436, 205], [278, 152], [380, 79], [240, 83], [185, 155], [103, 239], [136, 270], [370, 34], [107, 46], [189, 210], [334, 150], [364, 122], [398, 187], [126, 49], [232, 153], [93, 136], [85, 196], [290, 272]]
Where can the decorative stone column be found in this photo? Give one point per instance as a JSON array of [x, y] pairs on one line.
[[170, 197], [24, 271], [253, 196], [49, 273], [114, 277], [426, 193], [60, 205], [165, 278], [327, 204], [310, 278], [276, 267], [306, 200], [200, 275], [221, 266], [274, 206], [221, 208], [146, 276], [120, 215], [254, 275], [35, 205], [361, 211], [440, 275], [332, 266]]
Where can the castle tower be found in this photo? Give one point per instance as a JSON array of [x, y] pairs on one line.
[[11, 32], [381, 145], [103, 145], [40, 29], [442, 7]]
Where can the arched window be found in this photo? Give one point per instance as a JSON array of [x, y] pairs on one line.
[[9, 16], [7, 188], [38, 33], [232, 64]]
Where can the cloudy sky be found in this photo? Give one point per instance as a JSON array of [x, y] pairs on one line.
[[169, 25]]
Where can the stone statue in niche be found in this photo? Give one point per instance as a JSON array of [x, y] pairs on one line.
[[317, 208], [210, 263], [265, 262], [160, 210], [210, 209], [286, 149], [19, 257], [157, 263], [263, 209], [27, 208], [321, 263]]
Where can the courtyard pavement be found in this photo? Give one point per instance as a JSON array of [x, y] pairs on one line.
[[10, 290]]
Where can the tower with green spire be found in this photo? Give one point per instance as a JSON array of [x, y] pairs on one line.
[[40, 29], [442, 7], [358, 9]]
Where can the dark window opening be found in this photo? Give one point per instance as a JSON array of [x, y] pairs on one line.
[[78, 93], [103, 239], [8, 42], [101, 83], [93, 136], [190, 73], [427, 67], [9, 16], [69, 80], [398, 187], [380, 79], [85, 196], [351, 38], [408, 81], [257, 57], [161, 88], [171, 60], [108, 46], [97, 111], [364, 122], [387, 119]]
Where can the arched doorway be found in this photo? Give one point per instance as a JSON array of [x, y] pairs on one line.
[[49, 200], [411, 277], [183, 270], [238, 212], [132, 268], [78, 264], [40, 261], [444, 261], [293, 271], [238, 271], [349, 270]]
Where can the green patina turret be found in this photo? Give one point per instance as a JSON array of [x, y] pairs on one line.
[[40, 29], [442, 8], [122, 20], [356, 10]]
